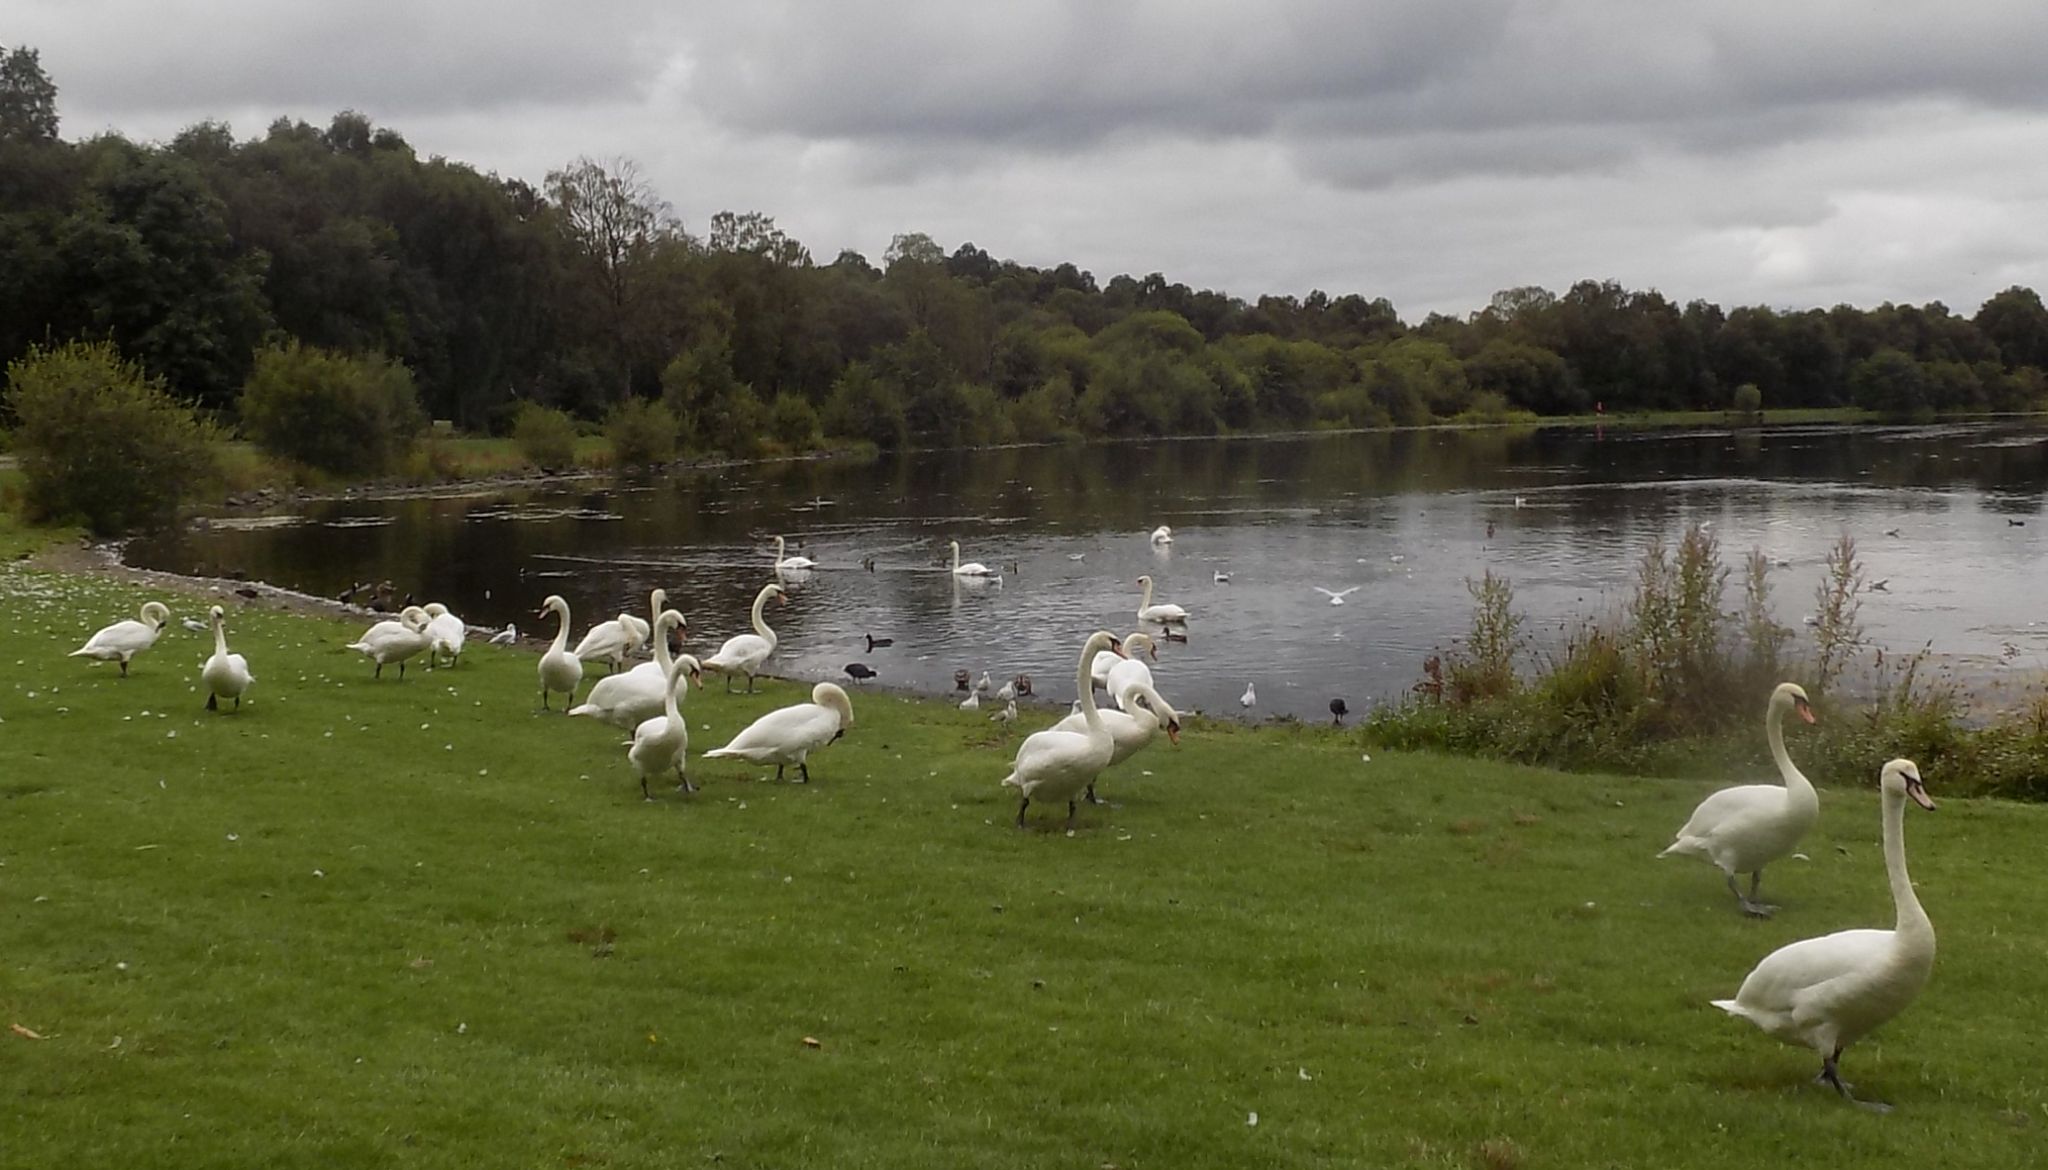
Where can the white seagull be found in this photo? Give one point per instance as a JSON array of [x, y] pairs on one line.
[[1336, 596]]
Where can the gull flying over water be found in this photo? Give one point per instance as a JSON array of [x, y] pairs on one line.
[[1336, 597]]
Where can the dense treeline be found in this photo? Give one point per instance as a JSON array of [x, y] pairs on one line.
[[196, 256]]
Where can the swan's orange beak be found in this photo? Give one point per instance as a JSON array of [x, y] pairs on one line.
[[1918, 791], [1805, 710], [697, 676], [1173, 733]]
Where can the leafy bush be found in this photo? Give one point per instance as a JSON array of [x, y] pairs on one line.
[[864, 406], [342, 413], [642, 433], [1748, 400], [792, 422], [100, 442], [546, 436]]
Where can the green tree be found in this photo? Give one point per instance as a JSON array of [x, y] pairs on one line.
[[341, 413], [642, 433], [545, 436], [28, 98], [101, 442], [2017, 324], [1889, 381]]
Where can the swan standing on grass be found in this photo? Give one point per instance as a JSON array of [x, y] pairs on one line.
[[796, 562], [1745, 828], [1826, 993], [1162, 613], [388, 642], [635, 695], [559, 669], [744, 653], [225, 675], [662, 743], [506, 636], [124, 640], [789, 735], [1137, 724], [1057, 765], [971, 568], [447, 632], [610, 642]]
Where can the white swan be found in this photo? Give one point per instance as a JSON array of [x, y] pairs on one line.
[[1137, 724], [744, 653], [447, 632], [662, 743], [388, 641], [635, 695], [559, 669], [971, 568], [610, 642], [1057, 765], [124, 640], [1162, 613], [506, 636], [225, 675], [1336, 596], [1743, 829], [795, 562], [1162, 535], [790, 734], [1250, 698], [1826, 993], [1137, 641]]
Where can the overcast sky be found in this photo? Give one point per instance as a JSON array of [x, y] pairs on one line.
[[1784, 152]]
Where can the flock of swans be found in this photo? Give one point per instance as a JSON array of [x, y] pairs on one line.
[[1823, 993]]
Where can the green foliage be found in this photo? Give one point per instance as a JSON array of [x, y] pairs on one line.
[[100, 442], [1748, 400], [28, 98], [345, 414], [864, 406], [1485, 667], [1838, 602], [642, 433], [546, 436], [793, 423]]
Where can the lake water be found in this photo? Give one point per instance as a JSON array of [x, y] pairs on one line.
[[1951, 517]]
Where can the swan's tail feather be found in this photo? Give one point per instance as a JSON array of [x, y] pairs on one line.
[[1685, 847], [81, 652], [359, 647], [587, 709], [721, 753], [1011, 781], [1736, 1009]]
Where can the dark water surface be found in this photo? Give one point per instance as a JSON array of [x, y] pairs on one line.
[[1402, 515]]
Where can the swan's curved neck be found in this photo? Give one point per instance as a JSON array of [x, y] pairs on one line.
[[1084, 684], [1145, 602], [1913, 928], [562, 633], [220, 637], [779, 548], [677, 680], [1798, 789], [956, 556], [760, 625], [662, 658]]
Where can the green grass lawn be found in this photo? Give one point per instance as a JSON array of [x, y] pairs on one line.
[[419, 924]]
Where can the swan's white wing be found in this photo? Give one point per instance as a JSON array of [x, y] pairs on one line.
[[740, 651], [122, 637], [1057, 764], [784, 735], [1789, 977], [1731, 808], [1122, 672], [605, 640]]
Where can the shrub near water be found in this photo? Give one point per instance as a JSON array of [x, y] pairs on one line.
[[340, 413], [101, 442], [642, 433], [546, 436]]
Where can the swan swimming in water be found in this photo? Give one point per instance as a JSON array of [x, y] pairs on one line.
[[1163, 613], [971, 568], [125, 639], [1745, 828], [1826, 993], [1162, 535], [795, 562]]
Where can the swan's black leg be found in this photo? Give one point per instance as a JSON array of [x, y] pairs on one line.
[[1751, 905], [238, 702], [1072, 811], [644, 794], [804, 769], [213, 702], [1020, 811], [778, 771], [1831, 1075], [544, 700], [1090, 794], [124, 668], [379, 672], [401, 670]]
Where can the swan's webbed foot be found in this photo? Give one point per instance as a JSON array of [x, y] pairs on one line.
[[1750, 905], [1758, 909], [1831, 1075]]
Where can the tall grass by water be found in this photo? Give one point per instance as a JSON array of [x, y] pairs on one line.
[[1675, 684], [419, 924]]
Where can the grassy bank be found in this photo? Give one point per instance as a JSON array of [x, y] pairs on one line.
[[416, 923]]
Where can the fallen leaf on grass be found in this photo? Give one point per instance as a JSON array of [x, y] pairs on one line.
[[812, 1042], [24, 1033]]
